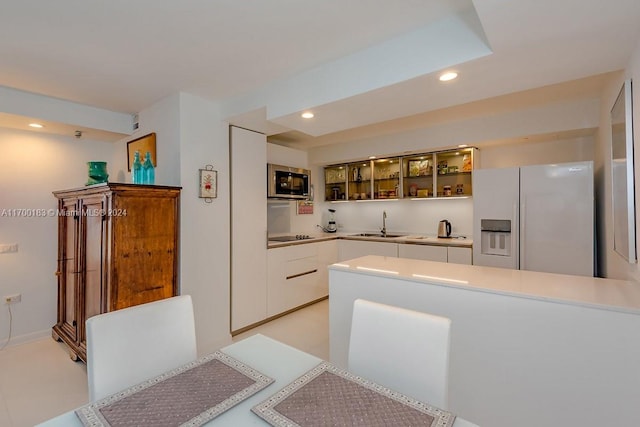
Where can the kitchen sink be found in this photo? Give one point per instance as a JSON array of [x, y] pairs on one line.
[[387, 235]]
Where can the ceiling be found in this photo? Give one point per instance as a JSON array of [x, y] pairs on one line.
[[359, 64]]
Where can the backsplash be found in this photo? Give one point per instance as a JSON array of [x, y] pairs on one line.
[[406, 216]]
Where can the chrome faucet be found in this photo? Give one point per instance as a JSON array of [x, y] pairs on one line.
[[384, 224]]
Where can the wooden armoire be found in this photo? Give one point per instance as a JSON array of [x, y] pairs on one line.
[[117, 247]]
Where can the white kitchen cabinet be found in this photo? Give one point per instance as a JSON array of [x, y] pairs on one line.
[[349, 249], [423, 252], [459, 255], [327, 255], [248, 153], [298, 275]]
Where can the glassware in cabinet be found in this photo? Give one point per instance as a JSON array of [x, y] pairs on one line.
[[359, 178], [386, 181], [335, 183]]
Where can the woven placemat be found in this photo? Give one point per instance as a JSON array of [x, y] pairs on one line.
[[187, 396], [329, 396]]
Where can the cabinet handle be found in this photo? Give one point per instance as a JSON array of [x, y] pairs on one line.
[[74, 323], [293, 276], [58, 273]]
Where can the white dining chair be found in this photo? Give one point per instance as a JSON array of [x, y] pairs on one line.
[[129, 346], [404, 350]]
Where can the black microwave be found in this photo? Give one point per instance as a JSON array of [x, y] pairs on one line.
[[286, 182]]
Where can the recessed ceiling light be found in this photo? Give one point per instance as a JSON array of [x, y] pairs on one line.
[[307, 115], [450, 75], [36, 125]]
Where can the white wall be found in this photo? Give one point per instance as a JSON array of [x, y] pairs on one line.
[[32, 165], [406, 216], [190, 135], [537, 153], [205, 256], [539, 120], [163, 118]]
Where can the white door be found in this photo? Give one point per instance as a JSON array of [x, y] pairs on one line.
[[248, 152], [495, 197], [556, 218]]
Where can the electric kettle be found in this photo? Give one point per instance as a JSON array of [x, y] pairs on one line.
[[444, 228]]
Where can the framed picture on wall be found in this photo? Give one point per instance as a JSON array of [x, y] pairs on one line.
[[144, 144], [208, 184]]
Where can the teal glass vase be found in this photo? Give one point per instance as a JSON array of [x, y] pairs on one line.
[[97, 172], [148, 172], [136, 169]]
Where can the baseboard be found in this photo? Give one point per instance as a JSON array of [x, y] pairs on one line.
[[27, 338]]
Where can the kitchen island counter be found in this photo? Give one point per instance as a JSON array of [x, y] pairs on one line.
[[594, 292], [528, 349]]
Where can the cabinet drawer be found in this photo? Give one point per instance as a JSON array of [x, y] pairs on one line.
[[300, 267], [459, 255], [423, 252]]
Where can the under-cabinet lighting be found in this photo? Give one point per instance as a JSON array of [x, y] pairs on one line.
[[342, 265], [438, 198], [307, 115], [36, 125], [463, 146], [441, 279], [372, 157]]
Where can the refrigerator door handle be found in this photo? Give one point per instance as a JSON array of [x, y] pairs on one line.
[[522, 229], [515, 247]]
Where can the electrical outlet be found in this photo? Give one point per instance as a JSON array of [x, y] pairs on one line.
[[12, 299]]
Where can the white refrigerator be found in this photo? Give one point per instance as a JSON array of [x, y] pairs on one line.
[[538, 218]]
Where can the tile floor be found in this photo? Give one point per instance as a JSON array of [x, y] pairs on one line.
[[38, 380]]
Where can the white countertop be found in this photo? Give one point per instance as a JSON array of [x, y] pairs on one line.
[[416, 239], [608, 294]]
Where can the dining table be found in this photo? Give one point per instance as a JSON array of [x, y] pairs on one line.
[[281, 362]]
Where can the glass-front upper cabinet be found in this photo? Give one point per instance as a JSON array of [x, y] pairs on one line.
[[386, 178], [442, 174], [359, 178], [453, 173], [417, 173], [417, 176], [335, 183]]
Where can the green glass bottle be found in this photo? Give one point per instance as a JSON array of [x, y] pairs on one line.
[[136, 169], [148, 172]]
